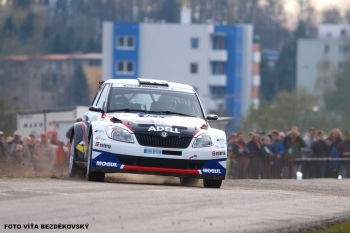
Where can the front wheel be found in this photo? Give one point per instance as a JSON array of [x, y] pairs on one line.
[[212, 183], [90, 175], [73, 170]]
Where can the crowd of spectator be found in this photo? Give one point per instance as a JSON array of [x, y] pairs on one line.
[[277, 155], [274, 155], [33, 155]]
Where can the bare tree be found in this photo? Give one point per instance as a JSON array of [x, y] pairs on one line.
[[332, 15]]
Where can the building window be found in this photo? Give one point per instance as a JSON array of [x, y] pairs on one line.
[[194, 68], [343, 49], [194, 43], [125, 67], [340, 65], [220, 43], [125, 42], [343, 32], [217, 92], [219, 68], [326, 49]]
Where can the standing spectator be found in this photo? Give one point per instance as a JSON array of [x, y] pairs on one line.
[[17, 163], [232, 149], [319, 150], [243, 160], [281, 136], [61, 161], [307, 153], [26, 144], [12, 144], [44, 155], [256, 157], [336, 136], [332, 166], [250, 136], [266, 169], [2, 146], [277, 149], [344, 152], [31, 144], [293, 144]]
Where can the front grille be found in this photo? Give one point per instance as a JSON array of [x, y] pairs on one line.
[[157, 141], [161, 162]]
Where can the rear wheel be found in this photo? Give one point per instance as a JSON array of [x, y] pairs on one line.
[[73, 170], [212, 183], [90, 175]]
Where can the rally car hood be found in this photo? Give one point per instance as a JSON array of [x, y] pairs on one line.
[[155, 124]]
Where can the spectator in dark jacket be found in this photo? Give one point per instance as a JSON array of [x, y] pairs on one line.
[[277, 149], [319, 150], [266, 146], [256, 157], [307, 153], [344, 152], [333, 165], [293, 144]]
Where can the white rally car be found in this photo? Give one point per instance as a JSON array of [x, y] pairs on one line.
[[148, 127]]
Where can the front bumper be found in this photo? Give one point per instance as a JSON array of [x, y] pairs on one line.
[[109, 162]]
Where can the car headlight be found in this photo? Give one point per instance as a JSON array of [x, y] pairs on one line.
[[119, 134], [203, 140]]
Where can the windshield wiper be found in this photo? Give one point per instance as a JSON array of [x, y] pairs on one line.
[[176, 113], [128, 110], [135, 110]]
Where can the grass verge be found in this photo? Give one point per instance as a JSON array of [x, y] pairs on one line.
[[341, 227]]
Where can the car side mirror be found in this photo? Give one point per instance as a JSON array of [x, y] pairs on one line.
[[95, 109], [212, 117]]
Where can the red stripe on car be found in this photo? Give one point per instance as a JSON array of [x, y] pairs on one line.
[[158, 169], [127, 126]]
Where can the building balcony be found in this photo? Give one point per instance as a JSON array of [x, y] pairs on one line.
[[218, 80], [218, 55]]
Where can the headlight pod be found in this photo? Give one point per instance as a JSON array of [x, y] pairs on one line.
[[203, 140], [119, 134]]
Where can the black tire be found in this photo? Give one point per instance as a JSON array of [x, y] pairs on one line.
[[73, 170], [90, 175], [212, 183], [188, 181]]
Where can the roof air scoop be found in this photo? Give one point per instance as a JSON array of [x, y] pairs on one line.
[[143, 81]]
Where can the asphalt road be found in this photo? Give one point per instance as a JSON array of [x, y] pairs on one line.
[[131, 203]]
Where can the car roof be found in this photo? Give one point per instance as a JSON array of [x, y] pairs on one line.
[[136, 82]]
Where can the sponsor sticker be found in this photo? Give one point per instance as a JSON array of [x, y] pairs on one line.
[[166, 129], [106, 164], [103, 145], [156, 87], [218, 153], [130, 85], [152, 151], [213, 171], [99, 138]]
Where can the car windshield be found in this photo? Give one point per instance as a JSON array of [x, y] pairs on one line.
[[154, 101]]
